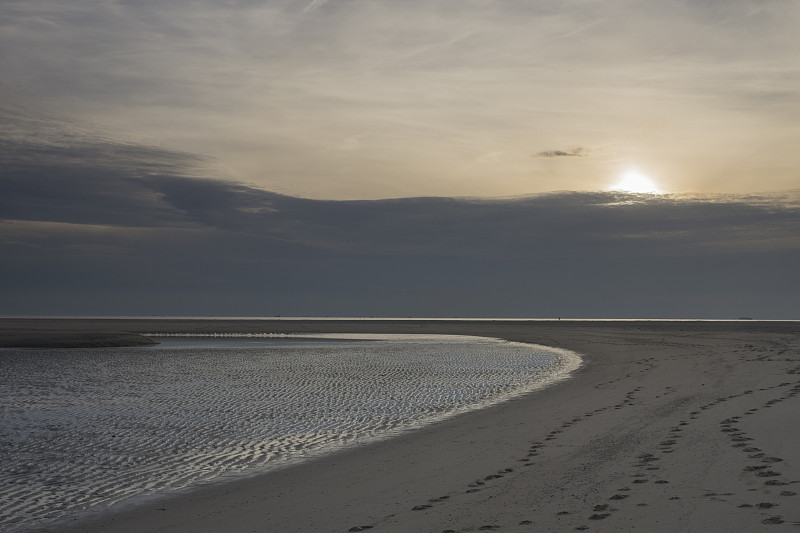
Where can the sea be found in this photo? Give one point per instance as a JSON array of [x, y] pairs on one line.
[[88, 431]]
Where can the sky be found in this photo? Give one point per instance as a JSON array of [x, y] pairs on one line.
[[575, 158]]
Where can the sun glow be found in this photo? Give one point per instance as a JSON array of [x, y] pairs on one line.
[[633, 181]]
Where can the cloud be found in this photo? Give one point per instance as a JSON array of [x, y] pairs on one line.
[[572, 152], [54, 170], [269, 91], [314, 5], [81, 179], [89, 224]]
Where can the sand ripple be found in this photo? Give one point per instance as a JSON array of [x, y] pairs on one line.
[[84, 429]]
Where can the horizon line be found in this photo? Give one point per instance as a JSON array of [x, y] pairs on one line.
[[387, 318]]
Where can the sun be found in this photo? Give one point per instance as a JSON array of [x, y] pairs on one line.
[[633, 181]]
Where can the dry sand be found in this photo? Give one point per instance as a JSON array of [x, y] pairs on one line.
[[681, 426]]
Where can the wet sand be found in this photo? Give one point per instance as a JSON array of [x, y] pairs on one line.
[[669, 426], [67, 333]]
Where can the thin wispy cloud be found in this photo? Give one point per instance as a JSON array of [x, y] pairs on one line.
[[584, 28], [314, 5]]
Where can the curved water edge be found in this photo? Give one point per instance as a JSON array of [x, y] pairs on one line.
[[83, 430]]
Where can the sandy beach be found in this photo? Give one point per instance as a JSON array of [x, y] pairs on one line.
[[668, 426]]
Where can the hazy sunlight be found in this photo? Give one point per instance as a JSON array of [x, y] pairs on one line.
[[634, 181]]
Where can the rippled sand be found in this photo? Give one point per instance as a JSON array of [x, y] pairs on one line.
[[85, 429]]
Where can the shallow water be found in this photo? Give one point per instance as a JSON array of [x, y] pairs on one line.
[[81, 430]]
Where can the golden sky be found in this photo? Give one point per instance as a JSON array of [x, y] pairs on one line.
[[358, 99]]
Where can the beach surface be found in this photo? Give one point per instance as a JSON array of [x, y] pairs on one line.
[[668, 426]]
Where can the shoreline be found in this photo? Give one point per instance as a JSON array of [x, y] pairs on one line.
[[82, 332], [652, 432]]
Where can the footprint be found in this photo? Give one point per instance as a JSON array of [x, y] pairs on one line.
[[766, 505]]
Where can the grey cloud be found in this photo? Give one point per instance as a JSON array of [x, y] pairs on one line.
[[572, 152], [53, 170]]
